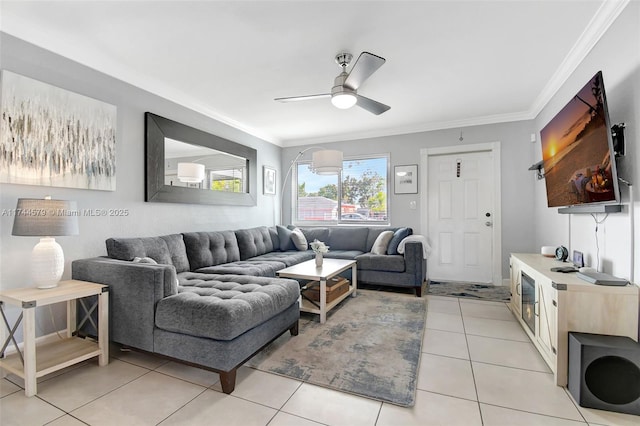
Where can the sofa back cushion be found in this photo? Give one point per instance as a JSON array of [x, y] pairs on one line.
[[254, 242], [320, 234], [211, 248], [348, 238], [167, 250]]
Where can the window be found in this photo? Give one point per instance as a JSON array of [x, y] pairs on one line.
[[358, 194], [227, 180]]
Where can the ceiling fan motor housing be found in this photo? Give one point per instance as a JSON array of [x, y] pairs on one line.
[[338, 84]]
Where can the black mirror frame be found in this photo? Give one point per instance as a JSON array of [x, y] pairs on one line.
[[156, 129]]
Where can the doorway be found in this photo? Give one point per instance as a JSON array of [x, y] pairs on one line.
[[461, 212]]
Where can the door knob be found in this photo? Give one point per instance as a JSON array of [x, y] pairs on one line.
[[487, 223]]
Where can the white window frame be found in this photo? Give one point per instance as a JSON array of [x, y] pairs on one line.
[[294, 195]]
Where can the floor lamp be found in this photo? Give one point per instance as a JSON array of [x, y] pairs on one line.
[[323, 162], [46, 218]]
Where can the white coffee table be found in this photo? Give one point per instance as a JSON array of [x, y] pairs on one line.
[[330, 268]]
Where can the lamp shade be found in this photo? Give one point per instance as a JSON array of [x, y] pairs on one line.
[[326, 162], [45, 218], [191, 172]]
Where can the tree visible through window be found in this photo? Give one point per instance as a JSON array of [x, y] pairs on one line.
[[227, 180], [358, 194]]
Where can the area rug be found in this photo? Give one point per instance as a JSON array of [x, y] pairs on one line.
[[369, 346], [470, 290]]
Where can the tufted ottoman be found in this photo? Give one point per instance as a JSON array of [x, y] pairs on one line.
[[220, 321], [223, 307]]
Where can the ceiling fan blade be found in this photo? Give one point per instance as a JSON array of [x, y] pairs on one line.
[[367, 64], [303, 98], [372, 106]]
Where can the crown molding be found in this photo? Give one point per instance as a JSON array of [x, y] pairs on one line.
[[418, 128], [599, 24]]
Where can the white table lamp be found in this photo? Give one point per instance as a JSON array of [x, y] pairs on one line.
[[46, 218]]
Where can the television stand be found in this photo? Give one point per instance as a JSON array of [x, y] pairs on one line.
[[549, 305]]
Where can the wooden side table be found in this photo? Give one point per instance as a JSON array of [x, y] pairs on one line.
[[62, 353]]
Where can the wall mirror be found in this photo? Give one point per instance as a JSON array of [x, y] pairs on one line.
[[187, 165]]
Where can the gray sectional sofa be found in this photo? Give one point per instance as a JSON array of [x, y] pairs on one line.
[[212, 299]]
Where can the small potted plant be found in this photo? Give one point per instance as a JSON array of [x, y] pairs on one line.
[[318, 248]]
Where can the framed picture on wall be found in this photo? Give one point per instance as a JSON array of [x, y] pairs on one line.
[[405, 179], [54, 137], [268, 180]]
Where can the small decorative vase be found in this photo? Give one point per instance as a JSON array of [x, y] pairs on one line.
[[319, 259]]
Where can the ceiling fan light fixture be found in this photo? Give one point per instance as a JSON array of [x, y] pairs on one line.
[[343, 100]]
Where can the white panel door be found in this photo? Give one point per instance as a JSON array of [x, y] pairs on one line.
[[460, 217]]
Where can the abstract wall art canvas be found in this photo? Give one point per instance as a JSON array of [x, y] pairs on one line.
[[53, 137]]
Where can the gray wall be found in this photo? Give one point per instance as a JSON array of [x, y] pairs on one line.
[[145, 219], [517, 182], [617, 54]]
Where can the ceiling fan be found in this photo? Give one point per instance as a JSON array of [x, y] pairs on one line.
[[344, 93]]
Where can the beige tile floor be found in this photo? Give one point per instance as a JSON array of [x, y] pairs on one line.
[[477, 368]]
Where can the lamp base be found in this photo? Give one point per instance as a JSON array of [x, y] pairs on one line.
[[47, 263]]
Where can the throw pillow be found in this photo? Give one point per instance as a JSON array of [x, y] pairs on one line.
[[284, 235], [398, 236], [144, 260], [299, 240], [382, 242]]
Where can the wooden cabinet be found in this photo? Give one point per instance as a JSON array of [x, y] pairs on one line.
[[564, 303]]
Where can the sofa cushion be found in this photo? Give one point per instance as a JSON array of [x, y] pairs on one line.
[[224, 307], [284, 235], [348, 239], [312, 234], [398, 236], [167, 250], [211, 248], [275, 240], [382, 242], [245, 267], [299, 240], [254, 242], [289, 258], [381, 262], [342, 254]]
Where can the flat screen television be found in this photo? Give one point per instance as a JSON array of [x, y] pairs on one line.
[[577, 151]]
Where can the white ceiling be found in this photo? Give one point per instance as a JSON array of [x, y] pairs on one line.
[[449, 63]]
